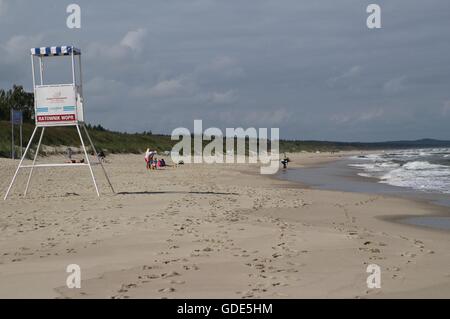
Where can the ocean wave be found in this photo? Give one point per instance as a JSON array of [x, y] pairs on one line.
[[422, 165], [426, 170], [428, 182], [369, 157], [376, 167]]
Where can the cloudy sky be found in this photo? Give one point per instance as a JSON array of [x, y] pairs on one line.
[[311, 68]]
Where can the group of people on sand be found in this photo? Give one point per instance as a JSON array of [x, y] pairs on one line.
[[101, 157], [151, 161]]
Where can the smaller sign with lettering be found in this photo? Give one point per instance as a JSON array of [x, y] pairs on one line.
[[16, 117]]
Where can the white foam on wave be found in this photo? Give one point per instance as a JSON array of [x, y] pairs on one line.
[[376, 167], [408, 169], [423, 165], [421, 180], [369, 157], [365, 175]]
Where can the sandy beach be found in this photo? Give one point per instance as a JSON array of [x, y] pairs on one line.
[[211, 231]]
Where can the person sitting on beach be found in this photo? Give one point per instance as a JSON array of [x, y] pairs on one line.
[[101, 156], [74, 161], [69, 153], [161, 163]]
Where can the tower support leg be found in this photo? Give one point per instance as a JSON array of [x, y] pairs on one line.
[[87, 160], [20, 163], [34, 161], [96, 156]]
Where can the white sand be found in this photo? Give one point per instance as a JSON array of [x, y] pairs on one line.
[[207, 231]]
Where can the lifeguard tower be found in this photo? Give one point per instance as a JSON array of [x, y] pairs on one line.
[[58, 105]]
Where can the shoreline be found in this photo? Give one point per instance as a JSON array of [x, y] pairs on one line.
[[442, 209], [217, 231]]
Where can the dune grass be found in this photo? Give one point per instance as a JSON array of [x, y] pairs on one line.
[[110, 142], [117, 142]]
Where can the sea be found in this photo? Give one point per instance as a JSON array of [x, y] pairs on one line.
[[426, 170]]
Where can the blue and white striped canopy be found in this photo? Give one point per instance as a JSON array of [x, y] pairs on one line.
[[51, 51]]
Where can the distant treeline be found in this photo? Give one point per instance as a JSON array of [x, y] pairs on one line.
[[110, 142], [17, 99], [311, 146]]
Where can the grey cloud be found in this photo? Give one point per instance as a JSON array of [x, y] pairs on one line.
[[311, 68], [348, 75], [395, 85], [446, 108], [3, 7]]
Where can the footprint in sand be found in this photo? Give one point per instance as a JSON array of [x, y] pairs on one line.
[[167, 290]]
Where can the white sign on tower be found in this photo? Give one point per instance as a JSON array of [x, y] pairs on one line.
[[57, 105]]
